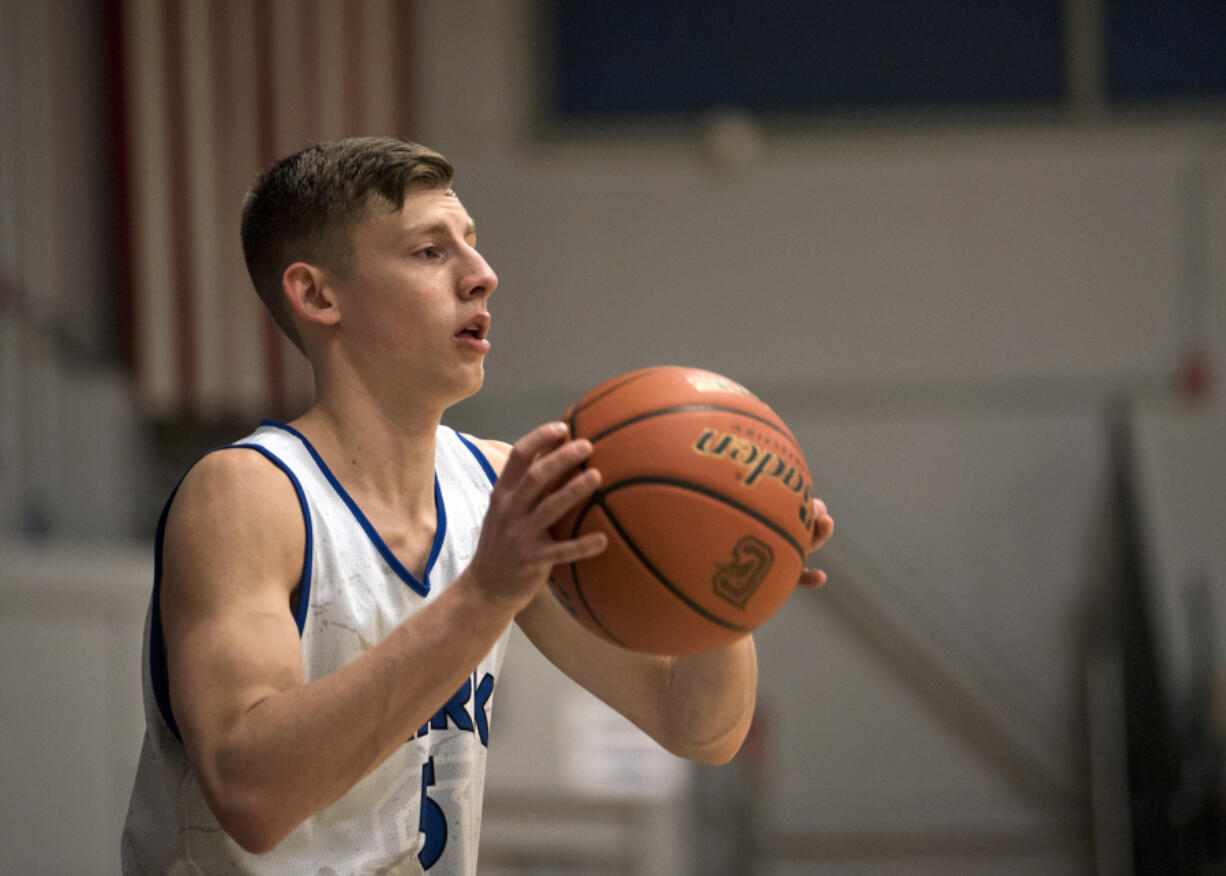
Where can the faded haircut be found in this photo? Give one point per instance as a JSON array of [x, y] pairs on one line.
[[304, 207]]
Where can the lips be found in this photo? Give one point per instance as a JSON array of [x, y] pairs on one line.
[[477, 327], [472, 335]]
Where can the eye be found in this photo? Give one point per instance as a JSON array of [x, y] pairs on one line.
[[428, 252]]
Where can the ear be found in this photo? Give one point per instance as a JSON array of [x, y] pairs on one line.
[[307, 292]]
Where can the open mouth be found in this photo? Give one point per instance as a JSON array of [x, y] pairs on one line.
[[477, 329]]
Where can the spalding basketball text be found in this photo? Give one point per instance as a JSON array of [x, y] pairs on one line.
[[758, 463]]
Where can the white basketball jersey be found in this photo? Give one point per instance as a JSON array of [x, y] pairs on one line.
[[419, 811]]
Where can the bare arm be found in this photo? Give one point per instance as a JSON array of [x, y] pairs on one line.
[[232, 554], [698, 706]]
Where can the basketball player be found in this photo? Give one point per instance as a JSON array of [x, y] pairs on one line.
[[332, 596]]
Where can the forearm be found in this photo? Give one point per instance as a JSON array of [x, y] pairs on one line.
[[350, 721], [709, 701], [698, 707]]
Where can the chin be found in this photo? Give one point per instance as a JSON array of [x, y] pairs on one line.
[[471, 386]]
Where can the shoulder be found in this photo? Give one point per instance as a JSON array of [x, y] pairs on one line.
[[240, 479], [234, 508], [495, 452]]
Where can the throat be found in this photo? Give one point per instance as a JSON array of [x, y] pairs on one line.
[[410, 541]]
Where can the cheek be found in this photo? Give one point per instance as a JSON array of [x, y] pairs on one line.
[[397, 311], [405, 325]]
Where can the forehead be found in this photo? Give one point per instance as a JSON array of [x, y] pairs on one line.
[[422, 208]]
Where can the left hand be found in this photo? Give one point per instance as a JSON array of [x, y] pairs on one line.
[[823, 528]]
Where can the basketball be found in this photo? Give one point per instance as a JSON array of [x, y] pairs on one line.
[[706, 500]]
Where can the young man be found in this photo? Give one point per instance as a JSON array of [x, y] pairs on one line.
[[332, 597]]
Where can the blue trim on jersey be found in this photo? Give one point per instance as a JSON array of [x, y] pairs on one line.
[[159, 673], [422, 587], [304, 582], [159, 678], [485, 463]]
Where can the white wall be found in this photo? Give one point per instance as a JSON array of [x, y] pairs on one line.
[[69, 443], [1025, 249], [939, 312], [70, 696]]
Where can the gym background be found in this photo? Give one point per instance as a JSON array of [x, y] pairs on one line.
[[973, 253]]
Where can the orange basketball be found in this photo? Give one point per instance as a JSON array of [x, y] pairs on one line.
[[707, 504]]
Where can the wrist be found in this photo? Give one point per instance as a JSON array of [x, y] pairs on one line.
[[480, 600]]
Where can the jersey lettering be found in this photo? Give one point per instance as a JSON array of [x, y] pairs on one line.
[[455, 712], [484, 690], [432, 823]]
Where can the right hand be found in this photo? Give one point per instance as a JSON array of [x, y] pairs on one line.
[[536, 488]]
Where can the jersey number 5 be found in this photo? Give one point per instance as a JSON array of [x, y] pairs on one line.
[[431, 823]]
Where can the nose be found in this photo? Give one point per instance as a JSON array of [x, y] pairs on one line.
[[480, 281]]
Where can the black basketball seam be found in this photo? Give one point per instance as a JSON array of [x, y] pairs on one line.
[[642, 558], [685, 409], [585, 403], [710, 493], [574, 574], [570, 428]]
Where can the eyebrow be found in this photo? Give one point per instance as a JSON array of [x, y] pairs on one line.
[[470, 230]]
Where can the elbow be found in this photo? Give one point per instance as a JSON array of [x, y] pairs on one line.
[[249, 818], [709, 702], [713, 753], [254, 832], [719, 756], [714, 741], [255, 810], [715, 748], [254, 841]]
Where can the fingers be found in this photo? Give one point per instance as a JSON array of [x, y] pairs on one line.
[[544, 472], [547, 474], [823, 524], [557, 503], [581, 548], [527, 448], [812, 578], [823, 528]]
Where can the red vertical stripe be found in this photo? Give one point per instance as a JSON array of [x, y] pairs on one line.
[[219, 51], [180, 202], [272, 128], [265, 104], [308, 35], [267, 139], [121, 195], [354, 86], [404, 69], [220, 144]]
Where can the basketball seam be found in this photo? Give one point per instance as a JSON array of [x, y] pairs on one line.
[[585, 403], [574, 576], [642, 558], [686, 409], [710, 493], [574, 573]]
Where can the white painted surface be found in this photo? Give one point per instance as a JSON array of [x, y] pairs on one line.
[[888, 280], [70, 695]]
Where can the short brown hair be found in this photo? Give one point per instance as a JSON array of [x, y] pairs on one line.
[[304, 206]]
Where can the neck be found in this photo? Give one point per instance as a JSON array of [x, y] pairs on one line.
[[380, 452]]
